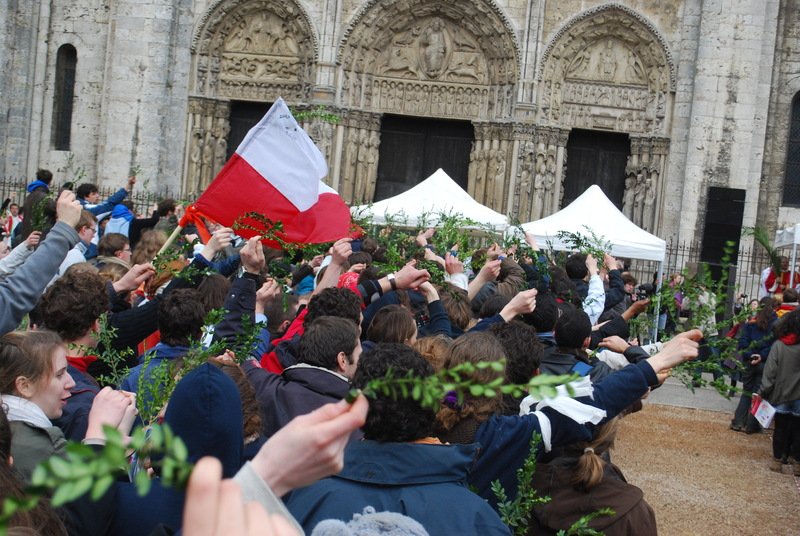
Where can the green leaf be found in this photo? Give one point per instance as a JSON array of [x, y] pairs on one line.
[[60, 467], [143, 483], [101, 485]]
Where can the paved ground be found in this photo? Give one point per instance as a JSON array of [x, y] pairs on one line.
[[700, 477]]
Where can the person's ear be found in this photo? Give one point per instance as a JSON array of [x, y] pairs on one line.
[[586, 342], [24, 387], [341, 361]]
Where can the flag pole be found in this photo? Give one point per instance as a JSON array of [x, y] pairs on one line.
[[170, 240]]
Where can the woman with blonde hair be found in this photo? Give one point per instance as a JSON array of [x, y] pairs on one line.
[[579, 482]]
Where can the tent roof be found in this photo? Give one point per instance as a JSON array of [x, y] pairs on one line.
[[788, 236], [438, 194], [593, 210]]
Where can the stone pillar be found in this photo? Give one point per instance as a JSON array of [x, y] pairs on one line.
[[644, 178], [207, 145], [548, 160], [359, 166], [488, 173]]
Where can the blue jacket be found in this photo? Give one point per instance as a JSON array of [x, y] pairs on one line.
[[424, 482], [754, 340], [159, 354], [505, 440], [107, 205], [205, 411], [75, 418]]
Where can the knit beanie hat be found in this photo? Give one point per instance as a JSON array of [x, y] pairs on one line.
[[371, 523]]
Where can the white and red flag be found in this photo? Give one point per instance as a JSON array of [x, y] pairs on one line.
[[275, 172]]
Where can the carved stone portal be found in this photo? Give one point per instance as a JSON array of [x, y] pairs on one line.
[[540, 173], [208, 142], [608, 69], [256, 49], [644, 177], [452, 59]]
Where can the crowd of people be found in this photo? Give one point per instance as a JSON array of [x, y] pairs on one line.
[[100, 331]]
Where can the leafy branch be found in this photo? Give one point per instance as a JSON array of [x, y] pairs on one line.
[[83, 470], [587, 244], [431, 390], [517, 513], [581, 526], [117, 360]]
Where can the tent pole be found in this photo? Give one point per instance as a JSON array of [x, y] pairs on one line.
[[660, 283]]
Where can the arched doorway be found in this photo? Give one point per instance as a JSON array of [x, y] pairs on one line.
[[425, 58], [246, 51], [606, 70]]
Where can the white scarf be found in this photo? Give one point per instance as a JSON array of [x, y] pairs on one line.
[[20, 409], [565, 405]]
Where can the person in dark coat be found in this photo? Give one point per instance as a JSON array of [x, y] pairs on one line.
[[579, 483], [205, 411], [399, 467], [36, 209], [329, 351]]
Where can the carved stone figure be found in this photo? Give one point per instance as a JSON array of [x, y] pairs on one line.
[[628, 197], [362, 168], [434, 48]]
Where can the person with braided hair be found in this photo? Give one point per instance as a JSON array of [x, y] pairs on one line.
[[580, 482]]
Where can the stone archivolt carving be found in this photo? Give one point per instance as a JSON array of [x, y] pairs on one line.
[[257, 49], [450, 59], [608, 68]]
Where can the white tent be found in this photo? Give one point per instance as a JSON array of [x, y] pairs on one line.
[[438, 194], [593, 210], [789, 237]]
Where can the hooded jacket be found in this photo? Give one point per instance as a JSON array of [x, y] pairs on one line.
[[424, 482], [299, 390], [632, 515], [205, 411]]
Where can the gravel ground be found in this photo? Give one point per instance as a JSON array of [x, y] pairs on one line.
[[702, 478]]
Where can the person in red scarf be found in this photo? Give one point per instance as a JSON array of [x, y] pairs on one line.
[[781, 387]]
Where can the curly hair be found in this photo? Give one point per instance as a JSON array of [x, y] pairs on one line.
[[433, 349], [389, 418], [522, 349], [788, 324], [456, 304], [334, 302], [473, 347], [180, 317], [74, 302]]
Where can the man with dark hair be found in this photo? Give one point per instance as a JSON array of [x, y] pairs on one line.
[[573, 331], [399, 467], [329, 350], [89, 196], [180, 322], [340, 302], [167, 214], [37, 209]]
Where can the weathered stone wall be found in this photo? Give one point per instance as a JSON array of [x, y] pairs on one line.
[[714, 78], [785, 78]]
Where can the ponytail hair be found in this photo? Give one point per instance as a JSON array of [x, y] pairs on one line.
[[588, 472]]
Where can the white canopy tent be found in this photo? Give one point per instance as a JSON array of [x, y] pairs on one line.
[[593, 210], [789, 237], [438, 194]]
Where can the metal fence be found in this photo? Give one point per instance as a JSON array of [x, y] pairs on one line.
[[742, 273], [143, 196]]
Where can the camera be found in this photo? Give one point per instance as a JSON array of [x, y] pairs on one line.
[[644, 291]]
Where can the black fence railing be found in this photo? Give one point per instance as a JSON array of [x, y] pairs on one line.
[[144, 196]]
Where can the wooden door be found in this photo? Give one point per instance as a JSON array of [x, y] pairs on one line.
[[596, 158], [412, 148]]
